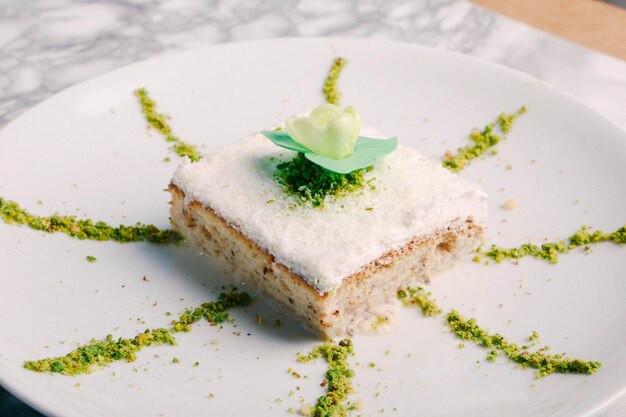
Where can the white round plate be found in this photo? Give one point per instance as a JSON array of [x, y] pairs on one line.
[[87, 151]]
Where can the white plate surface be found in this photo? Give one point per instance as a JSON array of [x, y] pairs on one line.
[[87, 151]]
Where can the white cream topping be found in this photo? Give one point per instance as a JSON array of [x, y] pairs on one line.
[[413, 197]]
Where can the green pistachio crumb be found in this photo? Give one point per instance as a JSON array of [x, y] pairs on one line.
[[498, 345], [311, 184], [481, 142], [550, 251], [158, 121], [98, 353], [544, 363], [337, 377], [379, 322], [421, 298], [330, 85], [91, 258], [12, 213]]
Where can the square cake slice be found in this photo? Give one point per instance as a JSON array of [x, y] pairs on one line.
[[338, 267]]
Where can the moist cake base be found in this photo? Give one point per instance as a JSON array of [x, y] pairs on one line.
[[404, 196], [365, 300]]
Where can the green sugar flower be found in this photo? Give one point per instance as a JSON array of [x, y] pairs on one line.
[[330, 138]]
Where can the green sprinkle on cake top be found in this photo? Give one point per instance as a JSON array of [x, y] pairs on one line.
[[310, 183]]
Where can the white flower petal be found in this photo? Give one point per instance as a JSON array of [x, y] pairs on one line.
[[306, 131], [327, 131], [357, 124], [325, 113], [338, 136]]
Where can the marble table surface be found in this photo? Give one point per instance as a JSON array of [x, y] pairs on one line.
[[48, 45]]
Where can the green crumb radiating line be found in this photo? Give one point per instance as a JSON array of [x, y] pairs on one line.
[[159, 122], [90, 357], [550, 251], [99, 353], [12, 213], [330, 85], [338, 377], [311, 184], [214, 312], [544, 363], [481, 141], [497, 345], [418, 296]]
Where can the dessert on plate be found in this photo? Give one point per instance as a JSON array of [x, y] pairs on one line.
[[331, 225]]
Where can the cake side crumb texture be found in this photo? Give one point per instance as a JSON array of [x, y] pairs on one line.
[[413, 197]]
